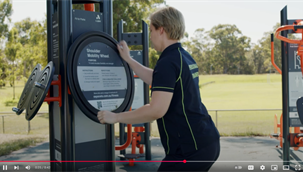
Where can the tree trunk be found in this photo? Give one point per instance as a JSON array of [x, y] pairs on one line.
[[24, 70]]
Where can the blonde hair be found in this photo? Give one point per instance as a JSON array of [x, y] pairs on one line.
[[171, 20]]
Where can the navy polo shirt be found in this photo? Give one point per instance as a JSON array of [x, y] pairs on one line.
[[186, 127]]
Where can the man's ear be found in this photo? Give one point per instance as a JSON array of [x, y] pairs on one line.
[[161, 30]]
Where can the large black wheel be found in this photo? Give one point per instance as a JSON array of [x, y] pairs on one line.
[[99, 79]]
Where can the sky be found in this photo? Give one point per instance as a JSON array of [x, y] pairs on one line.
[[252, 17]]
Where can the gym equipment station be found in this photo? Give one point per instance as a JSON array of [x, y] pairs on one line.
[[85, 74], [292, 72]]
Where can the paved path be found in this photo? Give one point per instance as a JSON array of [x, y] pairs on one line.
[[237, 152]]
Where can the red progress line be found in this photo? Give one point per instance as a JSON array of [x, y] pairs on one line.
[[184, 161]]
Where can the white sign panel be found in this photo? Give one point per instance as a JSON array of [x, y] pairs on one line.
[[139, 94]]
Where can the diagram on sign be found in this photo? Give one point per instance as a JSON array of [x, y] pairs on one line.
[[295, 87], [297, 61], [299, 80]]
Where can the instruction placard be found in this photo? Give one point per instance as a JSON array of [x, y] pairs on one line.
[[295, 84], [102, 76]]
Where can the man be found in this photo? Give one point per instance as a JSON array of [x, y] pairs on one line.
[[186, 130]]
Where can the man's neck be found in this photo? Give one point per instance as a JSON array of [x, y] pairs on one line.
[[167, 43]]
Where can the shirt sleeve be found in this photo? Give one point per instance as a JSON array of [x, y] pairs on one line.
[[165, 75]]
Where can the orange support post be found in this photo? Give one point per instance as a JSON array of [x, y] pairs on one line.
[[136, 138], [128, 141], [276, 124], [129, 136], [297, 140], [89, 7], [272, 57], [134, 142], [49, 99], [131, 162], [140, 146], [141, 150]]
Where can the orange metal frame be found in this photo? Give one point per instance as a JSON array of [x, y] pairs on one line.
[[140, 146], [49, 99], [282, 38], [298, 141], [128, 141], [273, 59]]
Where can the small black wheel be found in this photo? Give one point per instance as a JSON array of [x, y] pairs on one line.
[[39, 90], [26, 90]]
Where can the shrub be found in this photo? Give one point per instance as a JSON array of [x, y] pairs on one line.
[[11, 102]]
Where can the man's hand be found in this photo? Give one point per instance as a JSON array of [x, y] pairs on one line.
[[107, 117], [124, 51]]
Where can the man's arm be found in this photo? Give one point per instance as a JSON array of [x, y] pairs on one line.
[[157, 108], [144, 73]]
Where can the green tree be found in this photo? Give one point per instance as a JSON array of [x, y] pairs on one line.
[[153, 57], [5, 19], [266, 45], [33, 37], [3, 68], [23, 28], [230, 46], [260, 55], [199, 44], [11, 49], [5, 14]]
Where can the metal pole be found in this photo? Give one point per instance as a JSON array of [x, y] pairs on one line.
[[211, 69], [110, 135], [28, 127], [269, 72], [145, 42], [285, 119], [216, 119], [121, 126], [51, 8], [3, 124], [65, 37]]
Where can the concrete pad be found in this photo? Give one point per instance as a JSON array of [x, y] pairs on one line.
[[236, 153]]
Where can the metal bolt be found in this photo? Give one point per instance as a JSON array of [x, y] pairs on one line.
[[39, 85]]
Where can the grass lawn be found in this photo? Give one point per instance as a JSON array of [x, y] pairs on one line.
[[6, 94], [228, 92], [242, 91], [224, 92]]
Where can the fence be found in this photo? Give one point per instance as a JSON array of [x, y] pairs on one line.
[[17, 124], [235, 122], [243, 122]]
